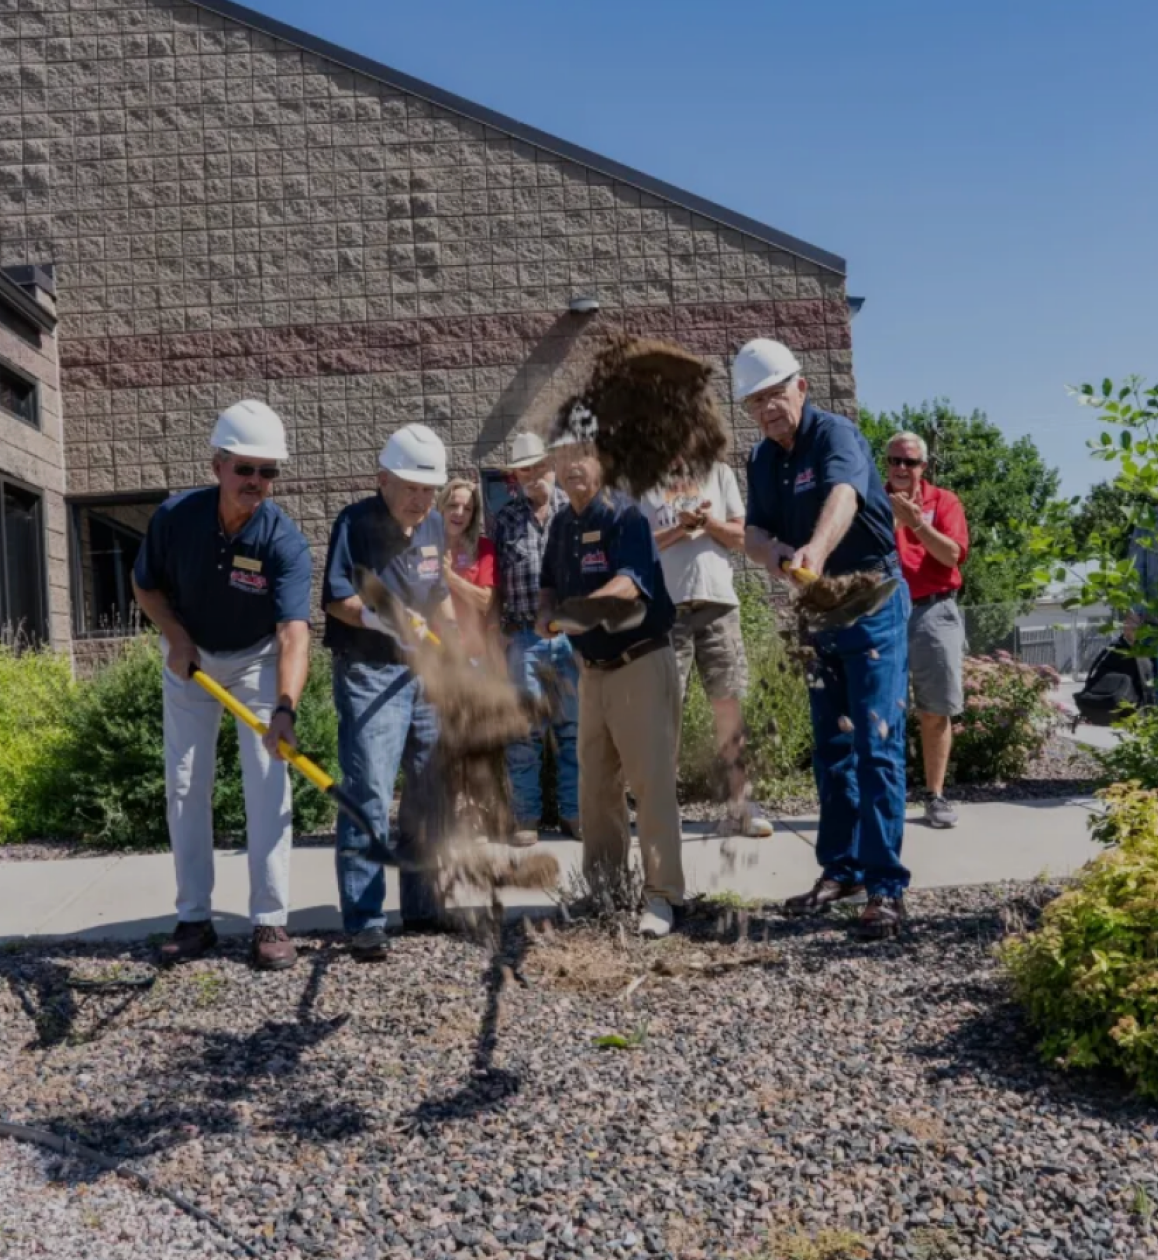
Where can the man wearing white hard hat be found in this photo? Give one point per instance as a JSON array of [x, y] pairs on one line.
[[224, 574], [520, 537], [816, 503], [384, 721]]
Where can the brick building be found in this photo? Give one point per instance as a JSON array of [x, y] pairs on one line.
[[217, 206]]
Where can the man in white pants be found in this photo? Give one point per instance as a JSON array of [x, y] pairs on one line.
[[224, 574]]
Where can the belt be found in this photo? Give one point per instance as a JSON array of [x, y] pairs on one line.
[[633, 653], [934, 599], [514, 624]]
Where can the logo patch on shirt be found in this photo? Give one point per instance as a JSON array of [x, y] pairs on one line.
[[253, 583], [429, 568], [927, 517], [593, 561], [805, 480], [593, 535], [246, 562]]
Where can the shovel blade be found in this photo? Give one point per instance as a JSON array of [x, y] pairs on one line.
[[581, 613], [862, 604]]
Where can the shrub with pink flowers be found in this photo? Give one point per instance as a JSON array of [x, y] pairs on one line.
[[1007, 721]]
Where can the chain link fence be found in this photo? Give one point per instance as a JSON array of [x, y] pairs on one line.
[[1067, 639]]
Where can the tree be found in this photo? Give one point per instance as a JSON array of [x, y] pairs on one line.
[[1102, 520], [1002, 484]]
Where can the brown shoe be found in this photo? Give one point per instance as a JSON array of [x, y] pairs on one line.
[[272, 949], [189, 941], [824, 893], [882, 918]]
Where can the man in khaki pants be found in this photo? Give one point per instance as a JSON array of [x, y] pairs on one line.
[[629, 691]]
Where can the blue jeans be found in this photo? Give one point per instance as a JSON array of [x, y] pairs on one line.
[[860, 772], [525, 758], [384, 724]]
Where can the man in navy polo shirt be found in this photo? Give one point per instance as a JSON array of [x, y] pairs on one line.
[[629, 689], [224, 574], [384, 721], [815, 501]]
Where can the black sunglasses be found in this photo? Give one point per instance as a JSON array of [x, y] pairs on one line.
[[899, 461], [267, 472]]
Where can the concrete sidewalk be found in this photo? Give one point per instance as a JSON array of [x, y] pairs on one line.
[[131, 897]]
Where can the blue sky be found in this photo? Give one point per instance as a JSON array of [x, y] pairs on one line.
[[987, 168]]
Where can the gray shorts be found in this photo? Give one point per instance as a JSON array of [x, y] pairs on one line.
[[936, 657], [717, 650]]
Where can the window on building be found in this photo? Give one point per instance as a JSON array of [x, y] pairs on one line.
[[19, 396], [23, 575], [106, 536]]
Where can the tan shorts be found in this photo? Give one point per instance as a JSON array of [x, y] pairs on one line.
[[717, 650]]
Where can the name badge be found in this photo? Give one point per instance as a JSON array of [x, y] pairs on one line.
[[244, 562], [593, 535], [429, 551]]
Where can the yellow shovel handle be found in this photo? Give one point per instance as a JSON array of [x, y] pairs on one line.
[[801, 575], [316, 775]]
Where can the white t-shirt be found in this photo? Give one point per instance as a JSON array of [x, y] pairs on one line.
[[697, 568]]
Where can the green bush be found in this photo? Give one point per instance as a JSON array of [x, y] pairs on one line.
[[1007, 721], [779, 748], [36, 688], [1135, 756], [112, 764], [1088, 977]]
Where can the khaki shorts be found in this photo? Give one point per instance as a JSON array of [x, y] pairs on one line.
[[717, 650], [937, 657]]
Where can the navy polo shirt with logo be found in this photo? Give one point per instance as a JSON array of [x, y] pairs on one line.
[[787, 491], [229, 593], [585, 550], [410, 568]]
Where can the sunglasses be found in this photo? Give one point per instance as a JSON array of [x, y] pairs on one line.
[[267, 472], [899, 461]]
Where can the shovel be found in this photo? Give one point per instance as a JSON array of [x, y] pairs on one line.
[[316, 775], [581, 613], [862, 603]]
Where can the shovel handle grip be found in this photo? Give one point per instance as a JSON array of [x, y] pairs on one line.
[[800, 574], [316, 775]]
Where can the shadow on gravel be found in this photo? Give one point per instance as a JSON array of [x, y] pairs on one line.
[[204, 1086], [489, 1086]]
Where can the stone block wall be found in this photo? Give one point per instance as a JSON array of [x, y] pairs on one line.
[[35, 456], [231, 215]]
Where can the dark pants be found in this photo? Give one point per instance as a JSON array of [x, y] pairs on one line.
[[384, 724], [860, 768]]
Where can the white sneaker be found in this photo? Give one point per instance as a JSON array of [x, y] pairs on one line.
[[524, 838], [656, 920]]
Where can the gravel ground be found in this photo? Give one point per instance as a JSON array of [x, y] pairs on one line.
[[777, 1082]]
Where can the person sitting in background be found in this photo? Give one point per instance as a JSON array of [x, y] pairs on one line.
[[469, 561], [932, 543], [696, 526]]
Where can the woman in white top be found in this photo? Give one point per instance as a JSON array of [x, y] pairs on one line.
[[695, 527]]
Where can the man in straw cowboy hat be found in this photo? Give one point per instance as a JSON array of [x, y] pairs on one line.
[[520, 537]]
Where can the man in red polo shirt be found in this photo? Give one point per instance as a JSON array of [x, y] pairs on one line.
[[932, 542]]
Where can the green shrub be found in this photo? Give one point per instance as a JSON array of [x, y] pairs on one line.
[[1088, 977], [113, 761], [1007, 721], [1135, 756], [779, 748], [36, 688]]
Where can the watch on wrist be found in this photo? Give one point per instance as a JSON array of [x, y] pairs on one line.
[[287, 708]]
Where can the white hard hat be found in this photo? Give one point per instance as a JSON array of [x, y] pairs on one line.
[[250, 429], [527, 449], [416, 454], [761, 364]]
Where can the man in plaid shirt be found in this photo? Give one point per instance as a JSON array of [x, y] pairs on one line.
[[520, 536]]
